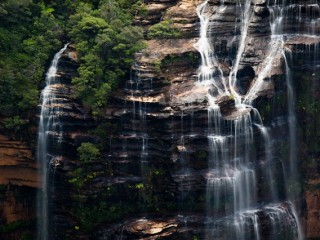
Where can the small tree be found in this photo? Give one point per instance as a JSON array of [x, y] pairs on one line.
[[163, 30], [88, 152]]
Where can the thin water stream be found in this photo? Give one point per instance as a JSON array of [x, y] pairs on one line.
[[50, 127]]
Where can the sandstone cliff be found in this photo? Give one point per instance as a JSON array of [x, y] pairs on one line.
[[163, 114], [151, 181], [18, 181]]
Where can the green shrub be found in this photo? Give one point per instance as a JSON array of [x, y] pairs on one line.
[[163, 30], [106, 41], [88, 152], [14, 123]]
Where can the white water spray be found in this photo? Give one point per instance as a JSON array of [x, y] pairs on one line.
[[232, 174], [49, 123]]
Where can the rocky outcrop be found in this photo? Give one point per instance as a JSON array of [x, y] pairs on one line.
[[155, 9], [184, 17], [196, 226], [17, 164], [74, 118], [18, 183], [181, 227]]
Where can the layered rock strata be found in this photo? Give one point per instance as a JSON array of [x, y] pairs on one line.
[[163, 113], [155, 150], [18, 181]]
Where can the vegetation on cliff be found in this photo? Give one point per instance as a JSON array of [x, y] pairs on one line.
[[31, 31], [106, 42], [29, 34], [163, 30]]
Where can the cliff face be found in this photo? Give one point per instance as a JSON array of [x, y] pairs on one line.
[[63, 141], [164, 117], [18, 183], [151, 180], [20, 179], [306, 71], [16, 157]]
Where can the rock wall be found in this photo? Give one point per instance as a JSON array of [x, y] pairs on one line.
[[19, 175], [18, 181], [306, 72], [155, 128], [164, 117], [17, 164], [76, 122]]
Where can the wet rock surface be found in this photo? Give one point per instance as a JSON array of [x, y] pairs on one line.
[[163, 112], [165, 227], [156, 141], [197, 226], [73, 123]]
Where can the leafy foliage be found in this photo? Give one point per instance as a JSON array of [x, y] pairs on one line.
[[32, 31], [106, 41], [163, 30], [29, 34], [88, 152], [10, 227]]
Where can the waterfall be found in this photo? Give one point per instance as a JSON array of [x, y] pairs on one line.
[[210, 71], [291, 118], [245, 16], [233, 204], [134, 135], [229, 163], [50, 127]]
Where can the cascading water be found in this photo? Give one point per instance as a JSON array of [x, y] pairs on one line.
[[241, 148], [244, 17], [234, 209], [50, 127], [210, 71], [135, 136]]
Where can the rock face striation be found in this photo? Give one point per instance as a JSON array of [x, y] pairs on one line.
[[163, 137], [20, 178], [156, 178], [18, 182], [63, 126]]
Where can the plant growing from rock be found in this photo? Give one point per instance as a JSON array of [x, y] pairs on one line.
[[163, 30]]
